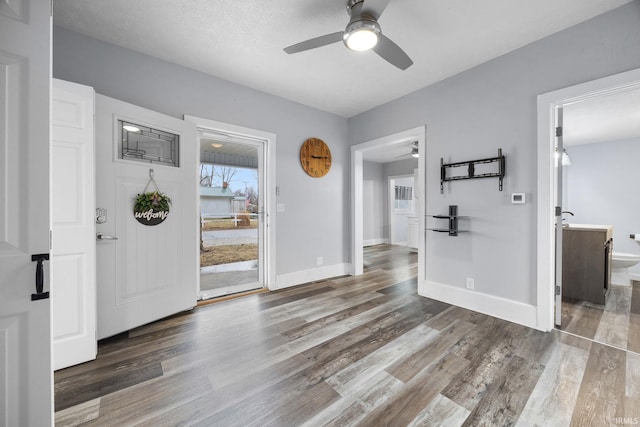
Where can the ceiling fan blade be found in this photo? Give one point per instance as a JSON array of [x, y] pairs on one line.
[[392, 53], [315, 42], [374, 8]]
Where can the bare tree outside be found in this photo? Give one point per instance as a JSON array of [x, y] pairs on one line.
[[252, 196], [226, 174], [206, 174]]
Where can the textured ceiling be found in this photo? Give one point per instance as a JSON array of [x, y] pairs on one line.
[[242, 40], [613, 117]]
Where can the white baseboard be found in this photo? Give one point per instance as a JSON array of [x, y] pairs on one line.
[[373, 242], [305, 276], [512, 311]]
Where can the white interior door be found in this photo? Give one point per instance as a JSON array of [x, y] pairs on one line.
[[73, 243], [149, 272], [26, 378]]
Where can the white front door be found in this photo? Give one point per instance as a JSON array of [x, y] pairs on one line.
[[144, 272], [73, 243], [26, 378]]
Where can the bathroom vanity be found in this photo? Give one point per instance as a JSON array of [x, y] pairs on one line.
[[586, 262]]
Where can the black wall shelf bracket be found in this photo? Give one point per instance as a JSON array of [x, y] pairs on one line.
[[453, 221], [471, 170]]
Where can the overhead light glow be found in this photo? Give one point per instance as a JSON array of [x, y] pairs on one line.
[[216, 145], [130, 128], [361, 35], [362, 40]]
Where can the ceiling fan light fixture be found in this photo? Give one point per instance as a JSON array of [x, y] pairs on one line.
[[361, 35]]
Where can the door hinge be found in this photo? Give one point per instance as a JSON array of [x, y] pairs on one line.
[[559, 131], [557, 290]]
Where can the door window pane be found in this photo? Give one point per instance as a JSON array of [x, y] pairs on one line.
[[148, 145]]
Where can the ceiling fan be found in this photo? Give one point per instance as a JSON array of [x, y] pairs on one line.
[[413, 153], [362, 33]]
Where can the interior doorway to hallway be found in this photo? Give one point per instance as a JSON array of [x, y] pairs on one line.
[[407, 143]]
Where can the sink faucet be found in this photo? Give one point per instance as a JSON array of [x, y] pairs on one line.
[[567, 212]]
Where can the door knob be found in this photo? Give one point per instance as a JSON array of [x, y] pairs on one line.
[[102, 236]]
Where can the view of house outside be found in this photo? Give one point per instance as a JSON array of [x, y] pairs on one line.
[[228, 203]]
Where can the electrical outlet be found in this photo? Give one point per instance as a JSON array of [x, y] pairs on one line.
[[470, 283], [319, 261]]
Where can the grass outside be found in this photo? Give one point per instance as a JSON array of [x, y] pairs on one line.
[[227, 224], [216, 255]]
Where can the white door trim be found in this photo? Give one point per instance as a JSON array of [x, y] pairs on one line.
[[357, 211], [547, 103], [270, 185]]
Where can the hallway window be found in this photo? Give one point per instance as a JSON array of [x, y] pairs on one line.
[[403, 198]]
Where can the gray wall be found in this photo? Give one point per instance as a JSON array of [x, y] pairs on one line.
[[375, 225], [476, 112], [602, 188], [316, 217]]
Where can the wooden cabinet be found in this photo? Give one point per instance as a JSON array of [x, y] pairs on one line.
[[586, 262]]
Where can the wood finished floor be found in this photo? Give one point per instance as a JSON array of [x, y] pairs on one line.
[[362, 351], [617, 323]]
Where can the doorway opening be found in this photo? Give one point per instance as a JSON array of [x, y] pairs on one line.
[[229, 199], [564, 212], [233, 205], [391, 147]]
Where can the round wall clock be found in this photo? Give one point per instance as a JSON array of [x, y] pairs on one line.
[[315, 157]]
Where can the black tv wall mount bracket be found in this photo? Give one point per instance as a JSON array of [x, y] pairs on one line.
[[471, 170]]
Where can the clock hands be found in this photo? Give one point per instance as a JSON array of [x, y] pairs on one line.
[[319, 157]]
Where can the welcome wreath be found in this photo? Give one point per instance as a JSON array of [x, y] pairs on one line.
[[151, 207]]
